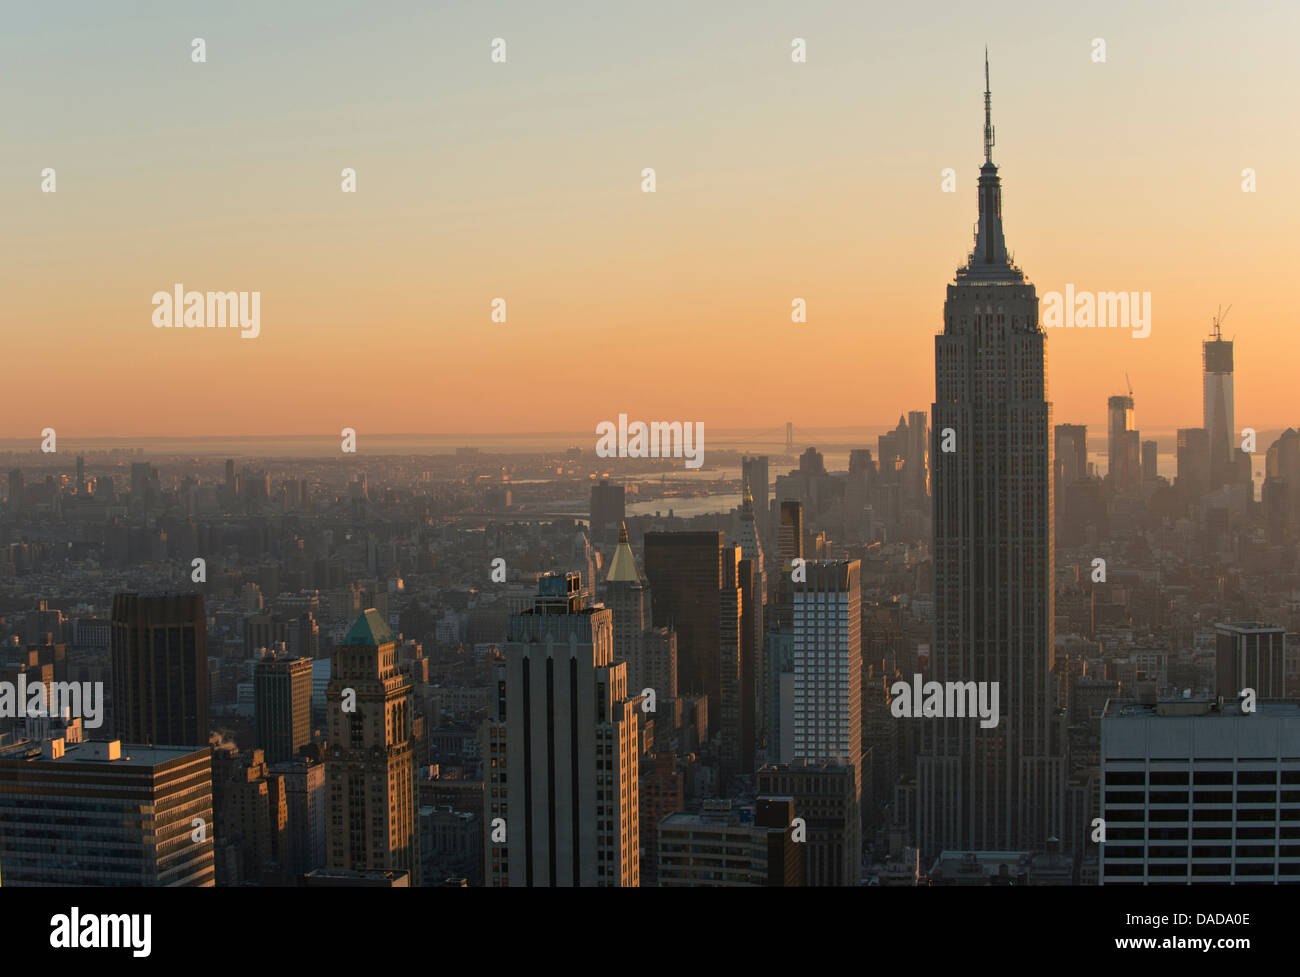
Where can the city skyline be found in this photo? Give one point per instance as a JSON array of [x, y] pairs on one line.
[[785, 536]]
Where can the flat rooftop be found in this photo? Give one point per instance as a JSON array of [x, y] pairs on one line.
[[1192, 708], [1187, 730], [95, 751]]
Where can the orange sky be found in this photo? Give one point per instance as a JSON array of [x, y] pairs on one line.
[[522, 180]]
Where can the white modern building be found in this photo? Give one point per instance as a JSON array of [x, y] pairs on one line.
[[827, 674]]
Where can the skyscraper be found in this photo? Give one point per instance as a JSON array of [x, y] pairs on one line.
[[371, 769], [790, 540], [812, 462], [1000, 787], [1123, 464], [650, 653], [828, 674], [1216, 403], [305, 792], [1250, 655], [731, 667], [755, 676], [159, 661], [825, 796], [891, 451], [561, 766], [754, 472], [751, 544], [628, 598], [282, 704], [916, 461], [685, 571], [1281, 489], [1071, 453], [608, 508], [739, 649], [1150, 459]]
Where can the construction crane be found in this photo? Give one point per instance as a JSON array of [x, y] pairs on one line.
[[1217, 322]]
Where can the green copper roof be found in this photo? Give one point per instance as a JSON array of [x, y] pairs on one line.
[[369, 631]]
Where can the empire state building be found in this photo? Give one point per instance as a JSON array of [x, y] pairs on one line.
[[1001, 787]]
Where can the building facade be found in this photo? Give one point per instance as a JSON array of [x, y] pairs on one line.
[[1250, 655], [159, 661], [728, 846], [561, 768], [1193, 792], [827, 659], [1003, 787], [370, 771], [105, 814], [282, 703]]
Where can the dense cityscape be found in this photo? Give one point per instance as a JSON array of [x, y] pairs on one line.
[[965, 654]]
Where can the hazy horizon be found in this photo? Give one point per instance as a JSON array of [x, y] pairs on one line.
[[522, 180]]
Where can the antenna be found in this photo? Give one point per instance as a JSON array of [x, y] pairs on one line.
[[1130, 384], [988, 111]]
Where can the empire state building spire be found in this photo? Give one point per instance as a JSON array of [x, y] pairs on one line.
[[988, 111], [989, 260]]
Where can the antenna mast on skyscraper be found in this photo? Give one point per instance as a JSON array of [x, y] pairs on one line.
[[988, 110]]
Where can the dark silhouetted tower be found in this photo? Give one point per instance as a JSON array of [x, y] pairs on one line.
[[685, 572], [159, 660]]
